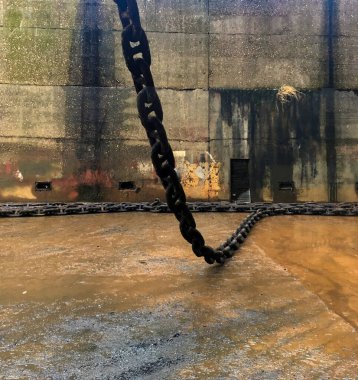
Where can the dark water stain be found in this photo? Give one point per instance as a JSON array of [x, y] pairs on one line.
[[331, 13], [331, 154], [86, 118], [279, 137]]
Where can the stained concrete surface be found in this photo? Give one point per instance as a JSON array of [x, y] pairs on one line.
[[68, 107], [122, 296]]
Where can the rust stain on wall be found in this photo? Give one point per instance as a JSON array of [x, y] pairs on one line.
[[69, 186], [200, 180]]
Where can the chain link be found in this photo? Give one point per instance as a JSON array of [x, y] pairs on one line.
[[137, 56], [257, 211]]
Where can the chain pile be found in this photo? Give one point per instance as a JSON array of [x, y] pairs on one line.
[[137, 56]]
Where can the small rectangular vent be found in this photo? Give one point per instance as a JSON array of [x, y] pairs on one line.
[[43, 186], [128, 185], [286, 186]]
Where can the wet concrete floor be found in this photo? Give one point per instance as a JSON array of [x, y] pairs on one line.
[[122, 296]]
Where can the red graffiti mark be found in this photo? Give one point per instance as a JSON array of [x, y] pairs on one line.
[[8, 168], [89, 177], [96, 177], [72, 195], [65, 182]]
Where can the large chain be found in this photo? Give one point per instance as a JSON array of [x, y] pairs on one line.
[[266, 209], [257, 211], [135, 42], [138, 60]]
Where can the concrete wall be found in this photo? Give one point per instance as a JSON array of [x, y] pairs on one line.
[[67, 107]]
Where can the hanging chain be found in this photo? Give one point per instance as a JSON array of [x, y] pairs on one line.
[[138, 60], [135, 42]]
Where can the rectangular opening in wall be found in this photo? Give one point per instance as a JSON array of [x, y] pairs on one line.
[[286, 186], [240, 180], [333, 191], [43, 186], [127, 185], [357, 186]]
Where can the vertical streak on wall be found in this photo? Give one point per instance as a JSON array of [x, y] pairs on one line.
[[88, 150], [331, 15], [255, 188], [282, 141], [91, 67], [208, 89]]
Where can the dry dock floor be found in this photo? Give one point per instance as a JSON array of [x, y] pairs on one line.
[[121, 296]]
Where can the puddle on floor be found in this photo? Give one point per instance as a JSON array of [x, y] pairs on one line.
[[321, 252]]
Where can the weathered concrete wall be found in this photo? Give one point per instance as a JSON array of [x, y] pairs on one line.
[[67, 107], [346, 44], [263, 44], [285, 143]]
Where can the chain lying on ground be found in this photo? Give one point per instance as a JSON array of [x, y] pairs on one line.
[[257, 212], [137, 56]]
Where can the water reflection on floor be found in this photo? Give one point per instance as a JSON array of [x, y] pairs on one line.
[[122, 296], [322, 253]]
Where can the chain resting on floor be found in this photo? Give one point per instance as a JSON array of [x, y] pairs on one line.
[[256, 211]]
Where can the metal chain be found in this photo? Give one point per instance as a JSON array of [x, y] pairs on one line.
[[257, 211], [267, 209], [134, 42], [137, 56]]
